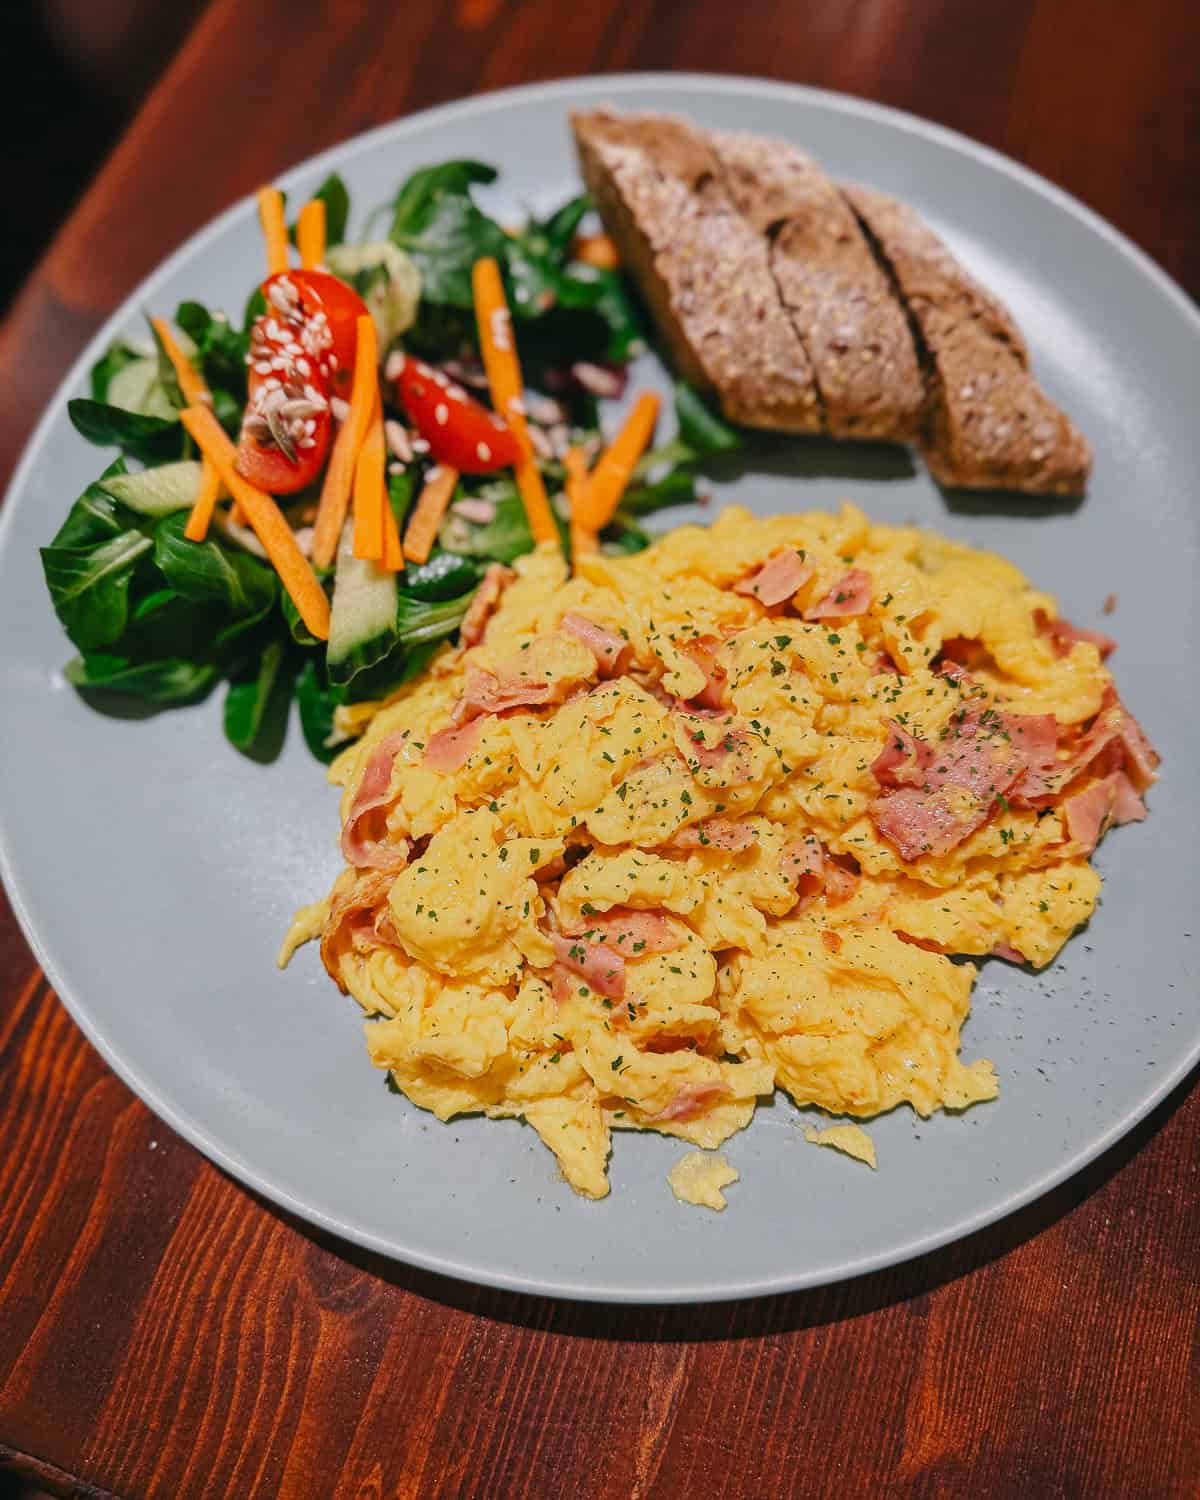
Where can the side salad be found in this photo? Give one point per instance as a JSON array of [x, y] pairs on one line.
[[305, 501]]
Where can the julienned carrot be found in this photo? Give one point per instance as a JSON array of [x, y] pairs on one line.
[[335, 491], [195, 393], [615, 466], [596, 250], [191, 382], [583, 539], [266, 518], [393, 553], [205, 502], [310, 233], [507, 389], [369, 496], [432, 504], [270, 213]]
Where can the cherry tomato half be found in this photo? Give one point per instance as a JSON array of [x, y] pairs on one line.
[[321, 310], [286, 427], [460, 432]]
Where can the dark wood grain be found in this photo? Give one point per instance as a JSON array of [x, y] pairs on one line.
[[165, 1334]]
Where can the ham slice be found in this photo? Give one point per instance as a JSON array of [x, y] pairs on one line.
[[982, 760], [690, 1101], [1090, 811], [904, 758], [633, 934], [601, 968], [486, 694], [850, 595], [374, 791], [449, 749], [714, 833], [777, 580], [711, 739], [1010, 954], [612, 652], [808, 866], [1115, 741], [353, 912], [1063, 635], [704, 653], [487, 596]]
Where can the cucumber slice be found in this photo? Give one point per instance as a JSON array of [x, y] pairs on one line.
[[362, 617], [159, 491], [136, 387], [385, 278]]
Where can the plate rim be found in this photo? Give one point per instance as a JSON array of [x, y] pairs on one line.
[[233, 1162]]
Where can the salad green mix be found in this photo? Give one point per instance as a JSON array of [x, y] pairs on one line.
[[165, 619]]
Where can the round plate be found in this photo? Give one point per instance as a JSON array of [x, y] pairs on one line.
[[154, 869]]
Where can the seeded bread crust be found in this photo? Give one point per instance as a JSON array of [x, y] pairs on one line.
[[991, 424], [702, 268], [840, 302]]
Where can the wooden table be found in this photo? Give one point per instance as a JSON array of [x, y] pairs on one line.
[[163, 1332]]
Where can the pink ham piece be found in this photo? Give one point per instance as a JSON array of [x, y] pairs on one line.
[[486, 694], [611, 651], [374, 791], [1010, 954], [704, 653], [712, 738], [840, 883], [1115, 741], [904, 758], [802, 865], [850, 595], [1088, 813], [981, 760], [449, 749], [690, 1101], [353, 912], [630, 933], [715, 833], [601, 968], [1063, 635], [487, 596], [777, 580]]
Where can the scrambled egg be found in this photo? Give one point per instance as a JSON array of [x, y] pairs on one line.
[[638, 872], [852, 1140], [698, 1178]]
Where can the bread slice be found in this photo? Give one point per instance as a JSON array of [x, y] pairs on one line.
[[991, 424], [702, 268], [841, 303]]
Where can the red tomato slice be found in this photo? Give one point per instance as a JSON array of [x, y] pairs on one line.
[[460, 432], [320, 310], [286, 427]]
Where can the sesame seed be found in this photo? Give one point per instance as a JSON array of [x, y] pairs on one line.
[[441, 414], [483, 453]]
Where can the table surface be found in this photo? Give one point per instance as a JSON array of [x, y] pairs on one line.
[[163, 1332]]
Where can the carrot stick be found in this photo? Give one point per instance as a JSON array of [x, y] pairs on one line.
[[583, 539], [614, 468], [393, 553], [266, 518], [432, 504], [339, 475], [310, 233], [191, 382], [205, 502], [507, 388], [270, 213], [598, 250], [369, 496]]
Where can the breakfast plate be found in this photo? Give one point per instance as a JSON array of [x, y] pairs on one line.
[[155, 871]]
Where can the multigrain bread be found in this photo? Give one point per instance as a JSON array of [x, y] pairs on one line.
[[702, 268], [991, 425], [840, 302]]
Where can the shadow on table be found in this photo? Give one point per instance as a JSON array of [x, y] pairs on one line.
[[752, 1318]]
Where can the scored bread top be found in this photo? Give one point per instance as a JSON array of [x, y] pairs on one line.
[[842, 305], [991, 424], [701, 266]]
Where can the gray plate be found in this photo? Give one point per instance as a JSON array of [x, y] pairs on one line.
[[154, 870]]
